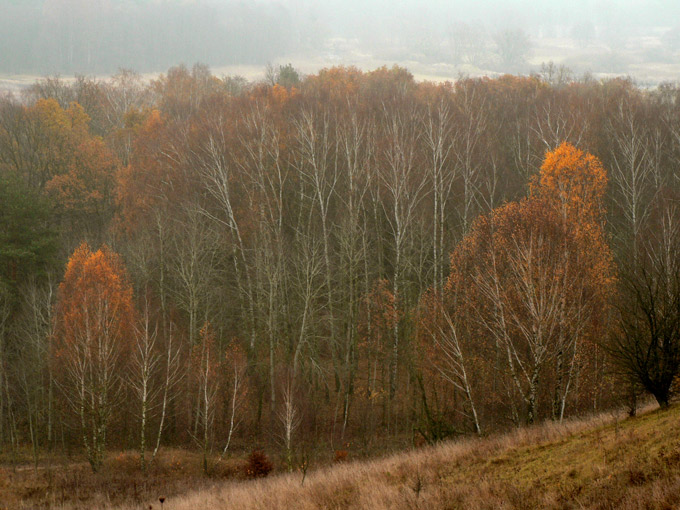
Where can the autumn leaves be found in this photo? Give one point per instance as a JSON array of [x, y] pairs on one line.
[[528, 290], [95, 321], [53, 151], [526, 300]]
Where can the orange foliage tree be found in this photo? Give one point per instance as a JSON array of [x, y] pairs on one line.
[[95, 320], [537, 275], [38, 141], [84, 194], [575, 183]]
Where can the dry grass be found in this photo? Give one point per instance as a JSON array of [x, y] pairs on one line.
[[69, 484], [601, 462]]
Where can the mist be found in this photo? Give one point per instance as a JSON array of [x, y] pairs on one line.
[[437, 39]]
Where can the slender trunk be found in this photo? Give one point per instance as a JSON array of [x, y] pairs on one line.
[[558, 396], [142, 440], [232, 416], [531, 400], [166, 390]]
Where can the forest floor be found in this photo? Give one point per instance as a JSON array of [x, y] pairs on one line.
[[606, 461]]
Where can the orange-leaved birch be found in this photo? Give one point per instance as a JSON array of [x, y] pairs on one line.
[[574, 182], [536, 275], [95, 317]]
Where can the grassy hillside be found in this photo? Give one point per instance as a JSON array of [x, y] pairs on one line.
[[603, 462]]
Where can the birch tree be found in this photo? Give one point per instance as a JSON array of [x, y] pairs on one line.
[[94, 322]]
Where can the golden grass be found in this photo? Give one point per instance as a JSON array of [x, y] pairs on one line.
[[600, 462]]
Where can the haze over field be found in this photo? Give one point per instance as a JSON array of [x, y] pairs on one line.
[[436, 39]]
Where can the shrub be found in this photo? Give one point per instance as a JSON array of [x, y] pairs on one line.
[[258, 465], [341, 455]]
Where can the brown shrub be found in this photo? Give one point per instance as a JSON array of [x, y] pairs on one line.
[[258, 465]]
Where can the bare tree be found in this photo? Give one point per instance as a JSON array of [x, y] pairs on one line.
[[438, 137], [7, 419], [631, 170], [238, 392], [207, 371], [405, 187], [171, 378], [512, 46], [469, 150], [356, 154], [193, 265], [468, 43], [33, 370], [265, 178], [219, 176], [290, 419], [145, 362], [646, 345], [450, 360], [317, 164]]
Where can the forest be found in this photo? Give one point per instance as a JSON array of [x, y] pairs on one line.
[[349, 260]]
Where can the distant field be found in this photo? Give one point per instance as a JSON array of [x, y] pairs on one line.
[[642, 58]]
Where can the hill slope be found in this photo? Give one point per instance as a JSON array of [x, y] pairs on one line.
[[604, 462]]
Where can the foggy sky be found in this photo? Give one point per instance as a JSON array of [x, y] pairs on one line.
[[100, 36]]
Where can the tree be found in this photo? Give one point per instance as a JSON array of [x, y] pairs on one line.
[[237, 387], [290, 419], [519, 282], [444, 344], [206, 368], [95, 317], [468, 43], [286, 76], [84, 194], [631, 164], [27, 241], [646, 342], [575, 184], [404, 191], [35, 326], [537, 274], [512, 46], [376, 327], [438, 138], [145, 361], [36, 142]]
